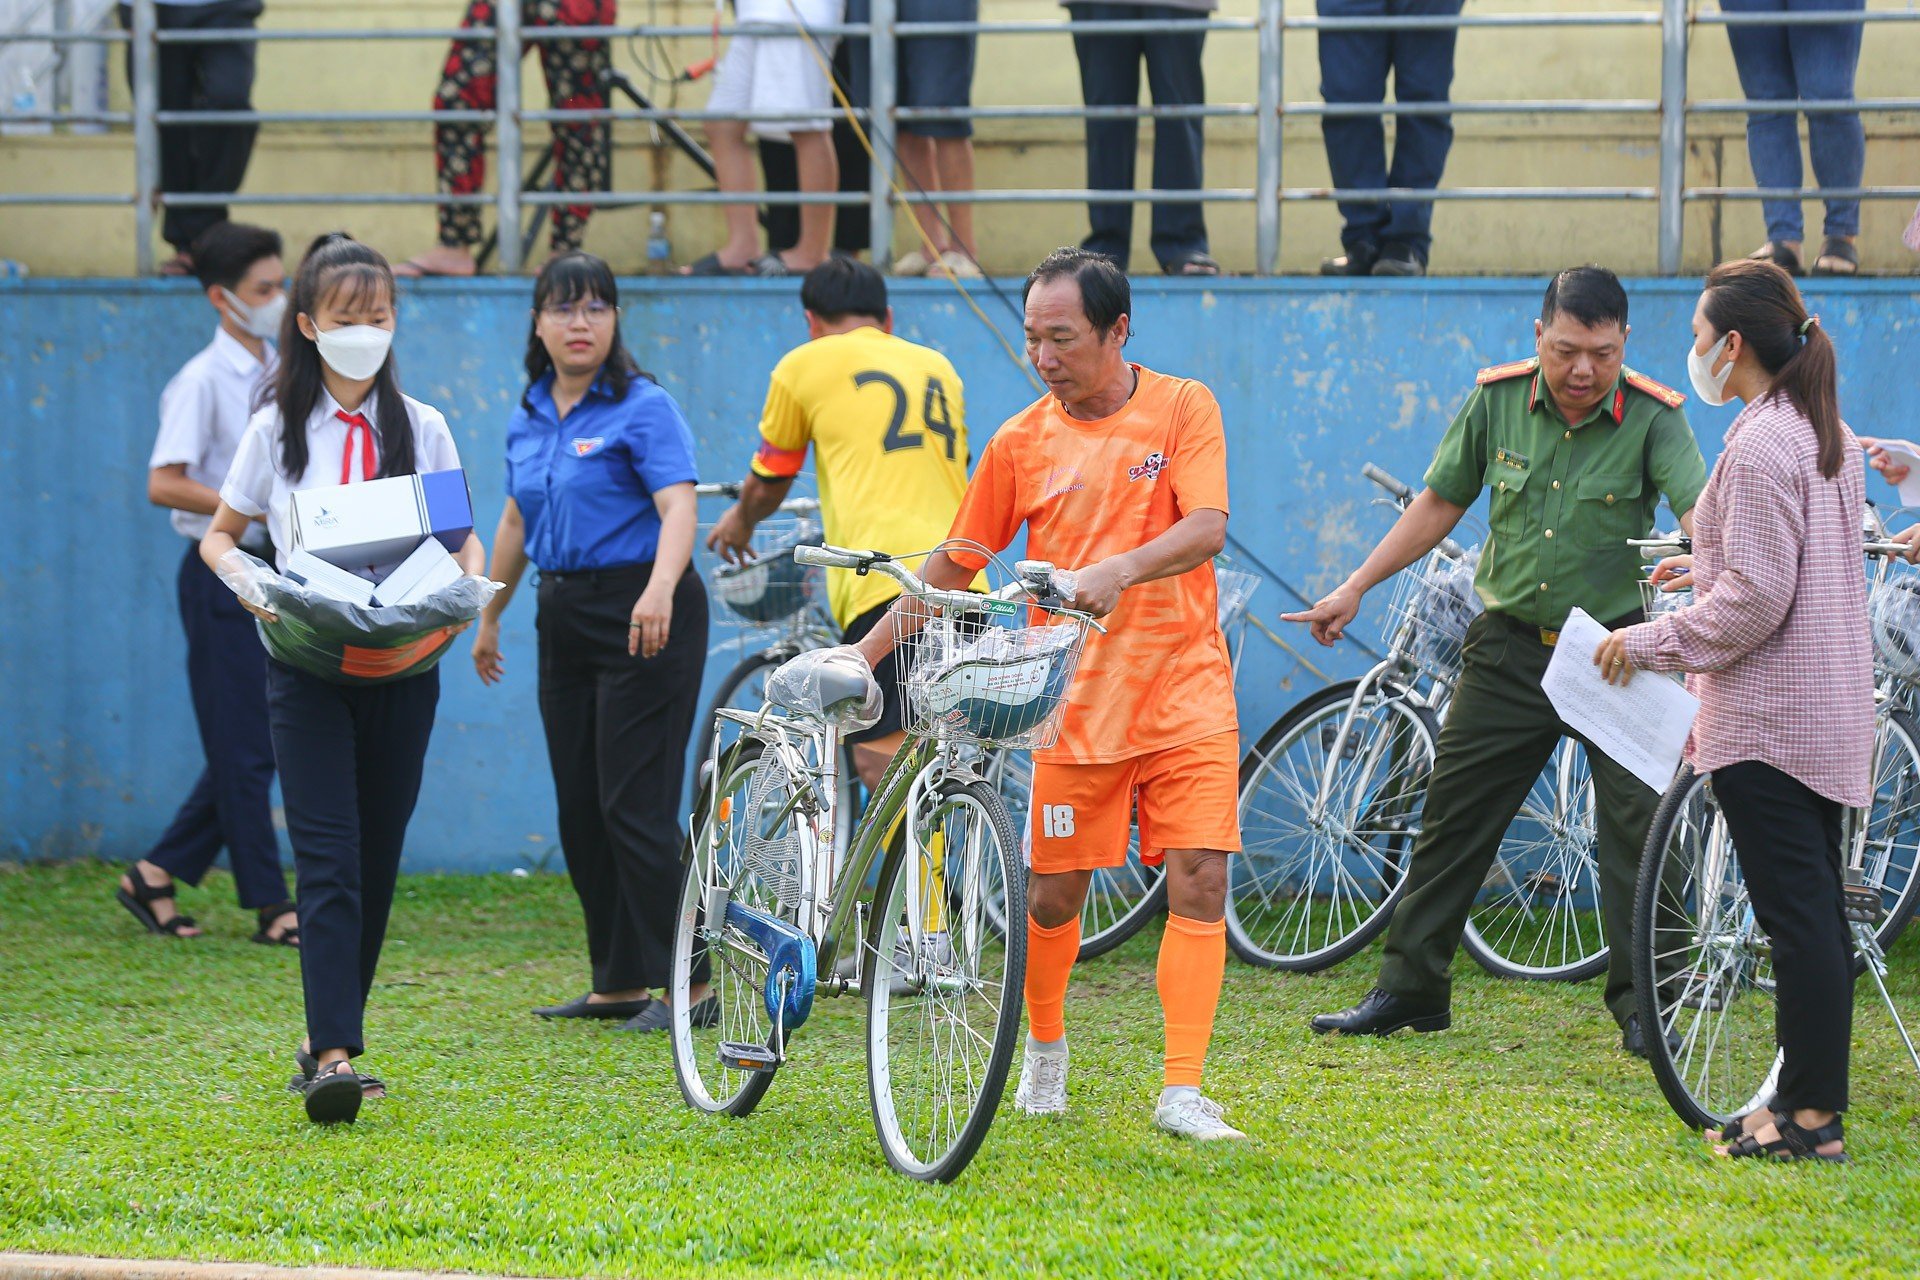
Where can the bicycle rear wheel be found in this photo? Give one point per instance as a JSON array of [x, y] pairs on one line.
[[1893, 825], [1120, 900], [1537, 916], [743, 849], [1702, 967], [1317, 879], [943, 986]]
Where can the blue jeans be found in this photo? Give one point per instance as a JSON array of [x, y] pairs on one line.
[[1777, 63], [1353, 68]]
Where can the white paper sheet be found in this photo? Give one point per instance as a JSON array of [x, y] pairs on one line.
[[1905, 453], [1642, 727]]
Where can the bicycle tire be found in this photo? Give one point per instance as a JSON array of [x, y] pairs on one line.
[[741, 1017], [928, 985], [1100, 930], [1548, 852], [1893, 869], [1726, 982], [1250, 871]]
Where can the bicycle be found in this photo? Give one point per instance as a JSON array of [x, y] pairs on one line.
[[1703, 968], [769, 905], [1121, 900]]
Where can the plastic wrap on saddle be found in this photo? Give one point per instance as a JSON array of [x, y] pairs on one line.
[[833, 685], [356, 644]]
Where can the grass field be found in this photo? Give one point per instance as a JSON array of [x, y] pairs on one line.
[[142, 1113]]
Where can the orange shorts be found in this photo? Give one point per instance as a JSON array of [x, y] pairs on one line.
[[1187, 797]]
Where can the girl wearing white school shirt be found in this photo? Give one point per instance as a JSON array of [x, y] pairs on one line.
[[350, 756]]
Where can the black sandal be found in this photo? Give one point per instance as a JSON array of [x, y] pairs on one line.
[[264, 935], [139, 901], [1735, 1129], [333, 1096], [1837, 247], [1780, 256], [370, 1086], [1794, 1142], [1191, 264]]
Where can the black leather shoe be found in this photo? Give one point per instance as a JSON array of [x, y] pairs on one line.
[[1381, 1014], [1634, 1042], [1357, 261], [619, 1010], [1400, 260]]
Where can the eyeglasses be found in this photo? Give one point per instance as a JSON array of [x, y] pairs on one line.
[[596, 312]]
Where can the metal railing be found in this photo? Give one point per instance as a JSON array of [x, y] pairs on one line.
[[1675, 23]]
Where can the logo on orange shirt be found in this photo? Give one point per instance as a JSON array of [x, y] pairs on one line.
[[1062, 480], [1153, 466]]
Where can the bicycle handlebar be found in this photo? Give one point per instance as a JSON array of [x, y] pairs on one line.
[[1387, 482], [1035, 580], [731, 489]]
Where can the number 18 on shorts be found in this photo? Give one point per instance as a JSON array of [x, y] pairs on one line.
[[1185, 797]]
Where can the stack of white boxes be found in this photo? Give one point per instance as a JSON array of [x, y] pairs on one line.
[[417, 520]]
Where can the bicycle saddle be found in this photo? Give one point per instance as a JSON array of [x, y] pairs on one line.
[[834, 686]]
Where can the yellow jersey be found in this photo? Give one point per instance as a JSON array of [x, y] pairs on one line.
[[889, 424]]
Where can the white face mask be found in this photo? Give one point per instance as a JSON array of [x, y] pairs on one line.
[[263, 321], [1709, 386], [354, 351]]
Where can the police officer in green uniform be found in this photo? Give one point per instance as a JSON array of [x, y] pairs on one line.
[[1577, 450]]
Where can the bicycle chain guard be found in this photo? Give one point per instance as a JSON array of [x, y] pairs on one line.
[[790, 953]]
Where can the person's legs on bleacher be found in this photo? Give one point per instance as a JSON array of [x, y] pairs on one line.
[[1764, 60], [576, 73], [1824, 61], [1353, 69], [1422, 72]]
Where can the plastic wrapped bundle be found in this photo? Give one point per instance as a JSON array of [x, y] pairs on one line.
[[1444, 610], [773, 586], [1658, 603], [993, 684], [1894, 612], [349, 643], [832, 685]]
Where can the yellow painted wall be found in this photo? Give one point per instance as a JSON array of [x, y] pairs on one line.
[[1470, 238]]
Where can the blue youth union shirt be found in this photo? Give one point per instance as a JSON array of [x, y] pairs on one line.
[[585, 486]]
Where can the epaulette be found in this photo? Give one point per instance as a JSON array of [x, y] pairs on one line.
[[1512, 369], [1658, 390]]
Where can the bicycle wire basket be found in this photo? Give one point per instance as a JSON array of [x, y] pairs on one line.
[[1434, 602], [1893, 613], [989, 676], [1234, 587], [772, 587], [1656, 603]]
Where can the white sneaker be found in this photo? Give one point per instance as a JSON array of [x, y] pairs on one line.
[[956, 264], [1043, 1081], [1188, 1113], [912, 263]]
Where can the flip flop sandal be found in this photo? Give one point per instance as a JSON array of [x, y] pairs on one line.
[[1192, 264], [1781, 256], [265, 936], [333, 1098], [1841, 250], [712, 266], [768, 265], [139, 901], [370, 1086], [1794, 1143]]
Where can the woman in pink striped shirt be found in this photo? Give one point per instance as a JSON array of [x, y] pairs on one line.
[[1783, 665]]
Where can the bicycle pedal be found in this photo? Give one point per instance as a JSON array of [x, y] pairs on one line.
[[738, 1055], [1863, 904]]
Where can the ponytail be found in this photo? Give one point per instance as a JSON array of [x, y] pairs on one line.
[[1759, 301]]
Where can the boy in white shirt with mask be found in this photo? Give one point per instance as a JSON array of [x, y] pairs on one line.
[[203, 414]]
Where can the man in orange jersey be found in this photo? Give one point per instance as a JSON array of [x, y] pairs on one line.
[[1119, 474]]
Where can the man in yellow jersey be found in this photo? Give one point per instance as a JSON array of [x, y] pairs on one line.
[[887, 418]]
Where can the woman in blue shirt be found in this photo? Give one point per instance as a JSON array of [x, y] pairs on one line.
[[600, 479]]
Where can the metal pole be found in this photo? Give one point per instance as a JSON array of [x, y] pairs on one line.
[[1673, 132], [63, 58], [506, 60], [1266, 180], [145, 52], [880, 131]]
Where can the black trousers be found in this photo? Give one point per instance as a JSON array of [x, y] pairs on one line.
[[617, 731], [202, 158], [229, 807], [350, 761], [1788, 837], [1110, 77]]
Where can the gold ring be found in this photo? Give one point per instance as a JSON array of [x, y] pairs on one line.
[[1619, 662]]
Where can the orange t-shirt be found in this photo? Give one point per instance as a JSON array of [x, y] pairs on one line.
[[1160, 677]]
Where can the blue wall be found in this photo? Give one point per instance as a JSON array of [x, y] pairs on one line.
[[99, 743]]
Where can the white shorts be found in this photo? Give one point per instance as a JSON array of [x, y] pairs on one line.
[[779, 73]]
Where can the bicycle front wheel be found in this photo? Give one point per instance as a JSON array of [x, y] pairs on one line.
[[1329, 810], [1120, 900], [1537, 915], [1892, 852], [943, 985], [1702, 966]]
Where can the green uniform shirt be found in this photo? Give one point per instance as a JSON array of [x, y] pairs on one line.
[[1565, 500]]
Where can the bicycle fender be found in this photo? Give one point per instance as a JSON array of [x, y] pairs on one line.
[[788, 951]]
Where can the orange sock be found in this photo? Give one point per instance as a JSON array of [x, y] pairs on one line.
[[1193, 958], [1050, 957]]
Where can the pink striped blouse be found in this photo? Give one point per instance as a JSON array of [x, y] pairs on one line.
[[1777, 636]]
